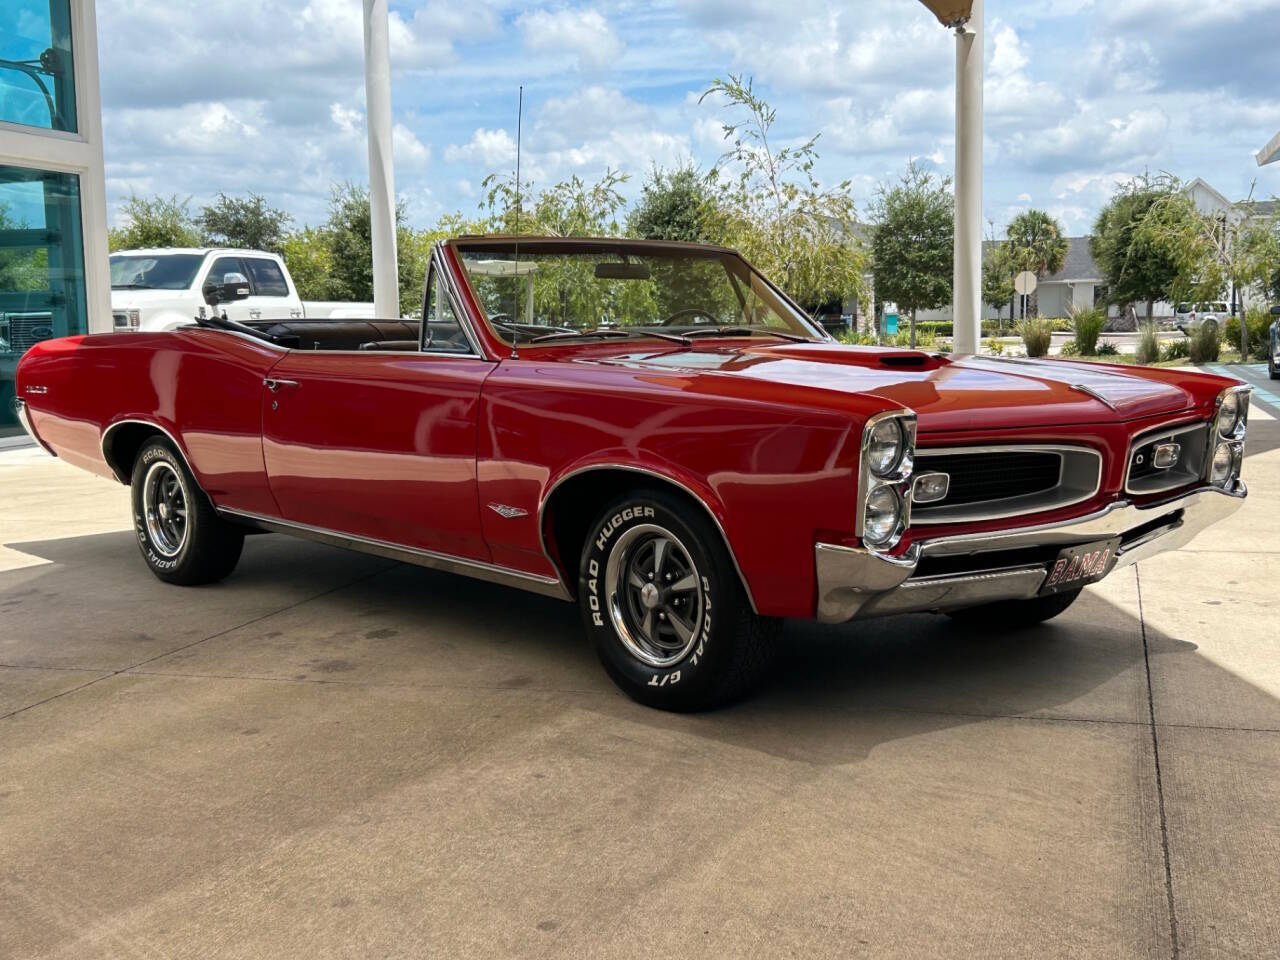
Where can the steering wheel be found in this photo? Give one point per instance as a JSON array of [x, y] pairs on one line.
[[688, 312]]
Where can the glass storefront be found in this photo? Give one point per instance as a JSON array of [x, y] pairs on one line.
[[37, 72], [42, 287]]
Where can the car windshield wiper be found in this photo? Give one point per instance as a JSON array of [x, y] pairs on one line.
[[747, 332], [130, 286], [612, 332]]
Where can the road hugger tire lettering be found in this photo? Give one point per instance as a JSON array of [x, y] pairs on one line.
[[180, 535], [663, 605]]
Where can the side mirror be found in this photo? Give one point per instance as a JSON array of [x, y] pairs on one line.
[[1275, 311], [234, 286]]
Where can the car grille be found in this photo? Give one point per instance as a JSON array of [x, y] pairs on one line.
[[1009, 481], [994, 476], [25, 330]]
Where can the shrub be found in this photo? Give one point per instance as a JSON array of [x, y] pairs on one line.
[[1087, 323], [1037, 334], [1259, 323], [1203, 345], [1148, 344], [995, 345], [1069, 349], [1174, 349], [1108, 349]]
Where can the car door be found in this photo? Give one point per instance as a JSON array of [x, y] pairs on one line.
[[380, 444], [270, 298]]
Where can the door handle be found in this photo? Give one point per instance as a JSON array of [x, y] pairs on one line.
[[274, 385]]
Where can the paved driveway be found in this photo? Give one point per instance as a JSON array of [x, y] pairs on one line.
[[331, 755]]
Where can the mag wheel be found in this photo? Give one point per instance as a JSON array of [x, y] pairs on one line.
[[1011, 614], [182, 538], [665, 608]]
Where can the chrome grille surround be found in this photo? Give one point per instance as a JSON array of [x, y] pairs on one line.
[[1079, 479]]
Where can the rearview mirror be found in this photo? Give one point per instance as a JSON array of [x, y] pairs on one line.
[[622, 271], [234, 286]]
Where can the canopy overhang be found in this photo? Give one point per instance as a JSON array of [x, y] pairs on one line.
[[950, 13]]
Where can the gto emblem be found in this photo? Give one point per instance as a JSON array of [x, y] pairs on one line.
[[506, 512]]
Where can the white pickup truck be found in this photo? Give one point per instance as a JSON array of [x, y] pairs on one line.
[[164, 288]]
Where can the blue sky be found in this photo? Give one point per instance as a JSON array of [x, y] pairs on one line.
[[201, 96]]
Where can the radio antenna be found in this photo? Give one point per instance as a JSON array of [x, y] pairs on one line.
[[515, 336]]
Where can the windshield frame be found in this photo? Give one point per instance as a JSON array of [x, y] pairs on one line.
[[781, 304]]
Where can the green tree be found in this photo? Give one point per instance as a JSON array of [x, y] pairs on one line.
[[997, 280], [1135, 266], [1213, 251], [913, 246], [1036, 243], [307, 254], [571, 208], [776, 212], [22, 269], [679, 204], [245, 222], [350, 243], [155, 222]]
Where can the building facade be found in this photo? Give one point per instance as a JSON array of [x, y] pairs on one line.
[[54, 278]]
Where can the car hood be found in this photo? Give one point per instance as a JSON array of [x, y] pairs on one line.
[[141, 299], [970, 392]]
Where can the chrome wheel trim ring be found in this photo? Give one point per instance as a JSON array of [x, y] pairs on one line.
[[164, 508], [655, 595]]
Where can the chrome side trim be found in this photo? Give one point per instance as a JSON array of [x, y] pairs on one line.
[[1024, 504], [478, 569], [854, 582], [546, 496], [127, 478]]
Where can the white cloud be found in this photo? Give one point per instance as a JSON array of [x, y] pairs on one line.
[[407, 149], [583, 34], [490, 150]]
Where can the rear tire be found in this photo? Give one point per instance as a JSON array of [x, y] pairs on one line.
[[665, 609], [181, 536], [1012, 614], [1272, 370]]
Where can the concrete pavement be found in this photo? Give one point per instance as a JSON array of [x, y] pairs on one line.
[[335, 755]]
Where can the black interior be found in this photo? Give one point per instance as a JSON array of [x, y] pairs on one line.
[[342, 334]]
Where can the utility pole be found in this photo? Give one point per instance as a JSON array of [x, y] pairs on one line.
[[382, 188]]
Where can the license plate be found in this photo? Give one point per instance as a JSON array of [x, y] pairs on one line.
[[1080, 565]]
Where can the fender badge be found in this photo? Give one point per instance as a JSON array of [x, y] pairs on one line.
[[36, 388], [506, 512]]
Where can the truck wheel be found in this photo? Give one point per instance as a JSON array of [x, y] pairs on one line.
[[665, 609], [1011, 614], [182, 538]]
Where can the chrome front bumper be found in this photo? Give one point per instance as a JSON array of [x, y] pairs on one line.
[[854, 582]]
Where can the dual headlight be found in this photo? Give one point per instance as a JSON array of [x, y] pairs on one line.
[[888, 447], [1229, 425]]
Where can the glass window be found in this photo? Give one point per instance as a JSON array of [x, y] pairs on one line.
[[268, 280], [223, 267], [553, 289], [37, 73], [155, 271], [42, 291], [444, 333]]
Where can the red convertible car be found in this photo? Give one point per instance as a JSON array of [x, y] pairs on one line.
[[653, 431]]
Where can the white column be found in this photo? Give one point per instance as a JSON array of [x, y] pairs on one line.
[[967, 312], [382, 188]]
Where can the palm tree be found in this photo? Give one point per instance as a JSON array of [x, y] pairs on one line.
[[1036, 243]]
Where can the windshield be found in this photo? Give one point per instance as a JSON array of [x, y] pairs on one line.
[[616, 289], [154, 271]]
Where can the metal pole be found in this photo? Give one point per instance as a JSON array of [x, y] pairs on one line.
[[967, 292], [382, 189]]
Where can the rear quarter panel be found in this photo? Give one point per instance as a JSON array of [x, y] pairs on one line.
[[203, 387]]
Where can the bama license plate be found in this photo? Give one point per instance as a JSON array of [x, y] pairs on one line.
[[1077, 566]]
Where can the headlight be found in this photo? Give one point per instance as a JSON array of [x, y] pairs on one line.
[[885, 449], [884, 512], [1229, 415], [1223, 461]]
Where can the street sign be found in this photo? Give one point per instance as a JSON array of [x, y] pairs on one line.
[[1025, 282]]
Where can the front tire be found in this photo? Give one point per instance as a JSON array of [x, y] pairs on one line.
[[181, 536], [664, 607], [1012, 614]]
